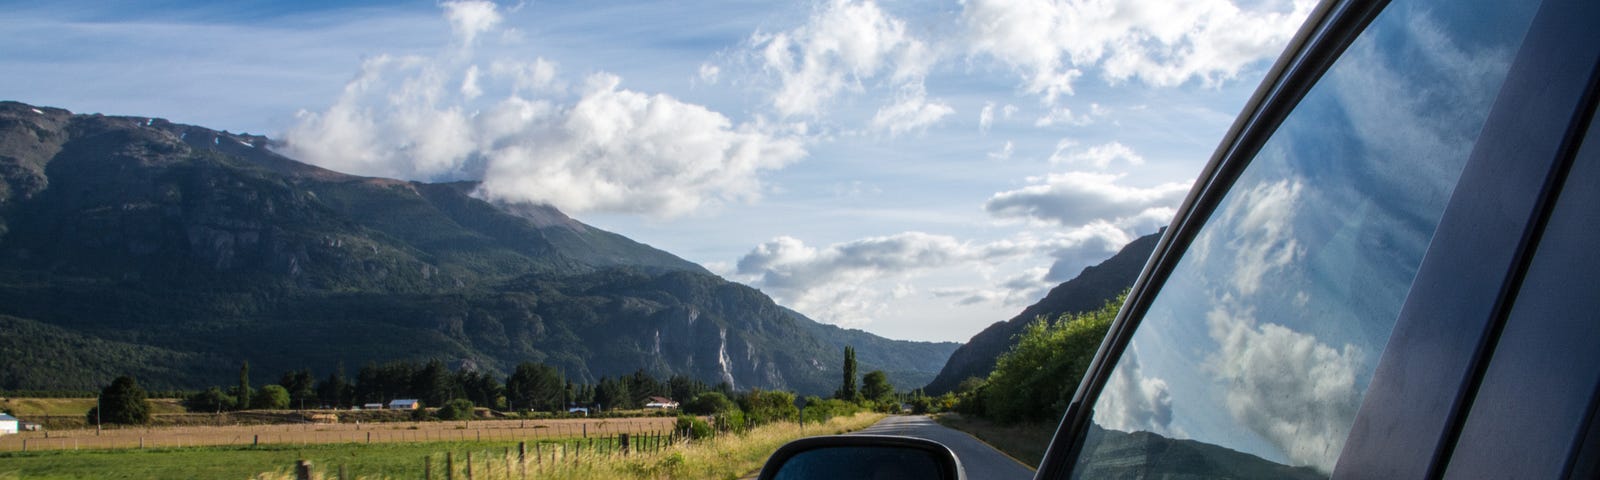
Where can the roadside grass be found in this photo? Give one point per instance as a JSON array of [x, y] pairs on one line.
[[24, 407], [726, 457], [1023, 441]]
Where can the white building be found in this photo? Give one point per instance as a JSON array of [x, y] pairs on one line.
[[9, 424], [661, 403]]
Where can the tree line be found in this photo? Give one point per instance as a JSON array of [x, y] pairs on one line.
[[530, 387]]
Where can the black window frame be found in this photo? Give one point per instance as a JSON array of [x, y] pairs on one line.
[[1429, 372]]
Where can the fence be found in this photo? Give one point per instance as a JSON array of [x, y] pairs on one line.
[[305, 434]]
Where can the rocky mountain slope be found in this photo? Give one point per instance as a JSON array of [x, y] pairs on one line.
[[142, 246], [1088, 291]]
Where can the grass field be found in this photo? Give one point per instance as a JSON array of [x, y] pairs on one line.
[[727, 457], [24, 407], [1024, 441]]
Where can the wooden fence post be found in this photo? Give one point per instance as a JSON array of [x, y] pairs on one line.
[[622, 441], [449, 466], [427, 467], [469, 465], [302, 470]]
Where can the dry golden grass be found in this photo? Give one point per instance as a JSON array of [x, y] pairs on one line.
[[310, 433], [24, 407], [726, 457]]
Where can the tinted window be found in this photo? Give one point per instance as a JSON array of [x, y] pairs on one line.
[[1253, 359]]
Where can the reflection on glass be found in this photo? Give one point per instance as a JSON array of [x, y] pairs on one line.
[[1253, 359]]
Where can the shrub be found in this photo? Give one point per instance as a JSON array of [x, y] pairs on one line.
[[694, 427], [710, 403], [1035, 380], [270, 397], [458, 409]]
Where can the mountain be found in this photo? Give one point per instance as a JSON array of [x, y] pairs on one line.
[[1118, 454], [1088, 291], [175, 252]]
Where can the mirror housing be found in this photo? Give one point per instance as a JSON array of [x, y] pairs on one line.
[[866, 457]]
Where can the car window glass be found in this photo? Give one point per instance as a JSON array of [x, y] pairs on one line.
[[1253, 359]]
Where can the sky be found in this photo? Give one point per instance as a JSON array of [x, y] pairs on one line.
[[919, 170]]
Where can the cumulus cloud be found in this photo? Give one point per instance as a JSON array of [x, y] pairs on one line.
[[469, 18], [608, 149], [1132, 402], [843, 44], [986, 117], [1050, 43], [1080, 198], [1262, 235], [1303, 403], [633, 152], [910, 111], [834, 284]]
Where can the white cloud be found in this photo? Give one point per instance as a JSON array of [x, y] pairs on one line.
[[612, 149], [1050, 43], [844, 43], [1081, 198], [910, 111], [469, 85], [1132, 402], [624, 151], [1099, 156], [709, 73], [1303, 403], [1261, 233], [469, 18], [841, 283]]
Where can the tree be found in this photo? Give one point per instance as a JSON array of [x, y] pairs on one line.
[[434, 384], [762, 407], [847, 389], [300, 385], [270, 397], [613, 395], [122, 402], [1034, 381], [875, 387], [243, 394], [535, 386], [336, 390]]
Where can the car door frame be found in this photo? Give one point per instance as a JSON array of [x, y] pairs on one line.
[[1428, 374]]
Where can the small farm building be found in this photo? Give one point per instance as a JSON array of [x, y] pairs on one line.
[[404, 404], [9, 424], [661, 402]]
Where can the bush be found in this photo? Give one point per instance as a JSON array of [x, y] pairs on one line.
[[763, 407], [270, 397], [710, 403], [732, 421], [211, 400], [694, 427], [1035, 380], [458, 409], [819, 410]]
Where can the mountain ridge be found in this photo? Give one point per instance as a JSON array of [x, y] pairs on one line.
[[166, 239], [1093, 287]]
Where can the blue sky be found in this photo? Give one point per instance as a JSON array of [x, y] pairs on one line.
[[914, 169]]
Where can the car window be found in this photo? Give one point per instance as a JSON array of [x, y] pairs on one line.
[[1253, 359]]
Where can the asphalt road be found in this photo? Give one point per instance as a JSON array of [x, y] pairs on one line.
[[981, 461]]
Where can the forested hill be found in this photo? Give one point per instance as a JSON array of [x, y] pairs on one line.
[[175, 252], [1086, 292]]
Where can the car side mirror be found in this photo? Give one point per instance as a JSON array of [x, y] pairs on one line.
[[864, 457]]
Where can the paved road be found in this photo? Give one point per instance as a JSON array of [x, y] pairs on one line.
[[981, 461]]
